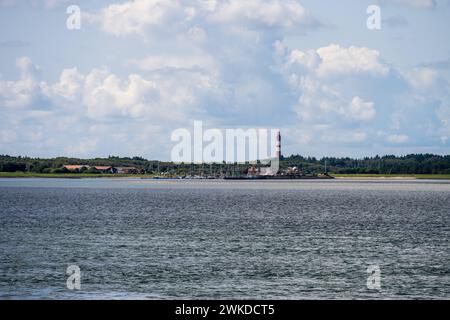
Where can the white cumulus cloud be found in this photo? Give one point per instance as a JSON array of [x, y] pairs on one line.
[[140, 16], [272, 13], [398, 138], [421, 77], [361, 110], [337, 60], [412, 3]]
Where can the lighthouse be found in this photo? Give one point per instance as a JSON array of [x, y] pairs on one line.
[[278, 145]]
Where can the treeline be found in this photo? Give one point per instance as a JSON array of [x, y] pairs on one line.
[[390, 164], [55, 165]]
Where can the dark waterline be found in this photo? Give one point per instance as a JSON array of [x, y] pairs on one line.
[[148, 239]]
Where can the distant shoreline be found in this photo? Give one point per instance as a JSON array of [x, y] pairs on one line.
[[156, 177], [386, 178], [392, 176]]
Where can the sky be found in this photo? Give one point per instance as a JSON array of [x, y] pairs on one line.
[[136, 70]]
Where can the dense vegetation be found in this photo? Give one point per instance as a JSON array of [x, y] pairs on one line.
[[390, 164], [409, 164]]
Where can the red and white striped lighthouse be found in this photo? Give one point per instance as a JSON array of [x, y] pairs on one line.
[[278, 145]]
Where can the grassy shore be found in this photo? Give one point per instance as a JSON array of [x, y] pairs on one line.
[[69, 175], [391, 176], [103, 175]]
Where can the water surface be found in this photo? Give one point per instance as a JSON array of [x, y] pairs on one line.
[[149, 239]]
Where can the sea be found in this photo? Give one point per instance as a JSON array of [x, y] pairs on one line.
[[221, 239]]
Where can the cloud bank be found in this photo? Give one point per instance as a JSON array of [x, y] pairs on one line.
[[226, 63]]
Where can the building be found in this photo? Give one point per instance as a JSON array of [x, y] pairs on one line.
[[105, 169], [102, 169], [278, 145], [292, 170], [253, 171], [127, 170], [76, 167], [268, 171]]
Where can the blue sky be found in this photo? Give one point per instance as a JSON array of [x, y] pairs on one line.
[[137, 70]]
